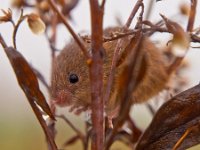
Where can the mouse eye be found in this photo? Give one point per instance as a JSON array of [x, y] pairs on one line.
[[73, 78]]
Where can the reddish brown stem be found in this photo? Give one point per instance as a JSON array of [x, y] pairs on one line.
[[192, 15], [130, 82], [117, 50], [133, 13], [96, 75], [76, 38]]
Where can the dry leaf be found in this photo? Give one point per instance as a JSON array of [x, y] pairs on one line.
[[27, 79], [181, 41], [36, 25], [172, 120]]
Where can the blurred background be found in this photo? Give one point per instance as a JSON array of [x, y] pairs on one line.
[[19, 129]]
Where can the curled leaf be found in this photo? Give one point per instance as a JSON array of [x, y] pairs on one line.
[[36, 25], [171, 122], [27, 79], [180, 41]]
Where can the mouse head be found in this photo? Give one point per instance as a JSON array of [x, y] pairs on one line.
[[70, 79]]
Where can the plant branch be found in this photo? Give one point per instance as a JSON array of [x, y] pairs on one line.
[[96, 75], [117, 51], [192, 15], [16, 27], [76, 38]]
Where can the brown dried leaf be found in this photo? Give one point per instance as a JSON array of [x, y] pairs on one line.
[[35, 23], [180, 41], [172, 120], [27, 79]]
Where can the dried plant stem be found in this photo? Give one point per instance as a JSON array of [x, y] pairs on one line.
[[117, 50], [133, 13], [119, 36], [96, 75], [192, 15], [53, 36], [3, 43], [76, 38], [103, 4], [131, 82], [16, 27]]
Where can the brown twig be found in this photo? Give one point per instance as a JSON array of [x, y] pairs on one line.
[[3, 43], [130, 81], [16, 27], [192, 15], [111, 38], [96, 75], [117, 50], [76, 38], [119, 36], [52, 43], [103, 4]]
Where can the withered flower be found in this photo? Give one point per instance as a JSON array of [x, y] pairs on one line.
[[7, 17], [36, 25]]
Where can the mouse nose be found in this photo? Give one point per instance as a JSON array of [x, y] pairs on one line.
[[63, 98]]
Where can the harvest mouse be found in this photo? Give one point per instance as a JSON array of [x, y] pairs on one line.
[[70, 75]]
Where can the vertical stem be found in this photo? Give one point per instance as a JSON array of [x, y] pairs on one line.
[[192, 15], [96, 75]]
